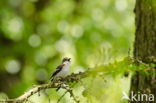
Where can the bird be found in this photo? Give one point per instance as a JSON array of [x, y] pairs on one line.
[[62, 70]]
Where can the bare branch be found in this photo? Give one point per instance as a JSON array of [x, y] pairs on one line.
[[71, 78]]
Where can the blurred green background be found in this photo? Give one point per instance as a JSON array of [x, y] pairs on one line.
[[36, 34]]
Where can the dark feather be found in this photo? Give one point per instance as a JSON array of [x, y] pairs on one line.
[[57, 70]]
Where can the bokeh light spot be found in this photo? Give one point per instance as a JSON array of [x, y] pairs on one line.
[[40, 58], [62, 45], [34, 40], [15, 28], [121, 5], [97, 14], [109, 23], [41, 75], [63, 26], [13, 66], [15, 25], [77, 31]]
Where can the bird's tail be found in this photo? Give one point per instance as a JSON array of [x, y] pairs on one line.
[[52, 79]]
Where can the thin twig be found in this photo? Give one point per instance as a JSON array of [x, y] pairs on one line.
[[46, 95], [66, 87], [141, 62], [62, 96], [65, 93]]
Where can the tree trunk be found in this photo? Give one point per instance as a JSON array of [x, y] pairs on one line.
[[145, 49]]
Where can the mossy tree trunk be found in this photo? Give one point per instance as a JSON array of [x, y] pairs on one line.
[[145, 48]]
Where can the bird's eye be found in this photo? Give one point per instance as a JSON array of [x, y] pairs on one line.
[[69, 59]]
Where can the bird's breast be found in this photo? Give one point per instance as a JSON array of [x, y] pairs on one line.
[[65, 71]]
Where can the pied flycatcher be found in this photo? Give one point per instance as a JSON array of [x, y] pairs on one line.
[[62, 70]]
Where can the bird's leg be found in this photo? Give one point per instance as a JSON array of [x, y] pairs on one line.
[[61, 79]]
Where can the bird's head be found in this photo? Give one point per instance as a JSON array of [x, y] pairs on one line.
[[66, 60]]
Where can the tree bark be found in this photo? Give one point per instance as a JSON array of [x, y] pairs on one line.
[[145, 40], [145, 49]]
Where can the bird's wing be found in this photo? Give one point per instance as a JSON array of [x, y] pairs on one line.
[[57, 70]]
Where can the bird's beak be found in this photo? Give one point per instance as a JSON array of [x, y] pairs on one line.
[[69, 59]]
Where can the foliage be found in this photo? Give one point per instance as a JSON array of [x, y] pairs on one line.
[[36, 34]]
